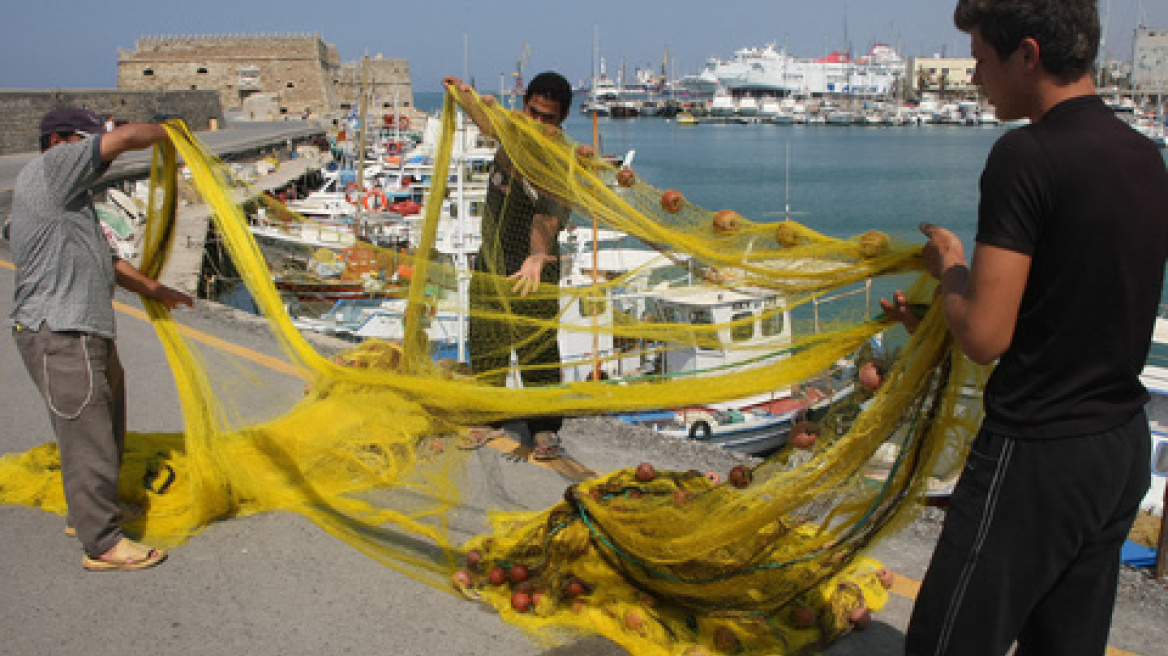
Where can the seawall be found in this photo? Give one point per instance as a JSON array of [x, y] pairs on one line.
[[21, 111]]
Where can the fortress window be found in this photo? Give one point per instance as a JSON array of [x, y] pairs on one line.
[[290, 85], [148, 72], [201, 70]]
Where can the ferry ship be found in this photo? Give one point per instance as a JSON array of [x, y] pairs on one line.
[[768, 70]]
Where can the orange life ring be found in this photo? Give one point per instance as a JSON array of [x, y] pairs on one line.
[[379, 202], [352, 193], [403, 121], [393, 148]]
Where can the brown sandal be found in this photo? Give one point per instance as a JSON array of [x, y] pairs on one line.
[[478, 436], [546, 445]]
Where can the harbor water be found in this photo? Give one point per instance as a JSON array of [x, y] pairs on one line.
[[838, 180], [842, 180]]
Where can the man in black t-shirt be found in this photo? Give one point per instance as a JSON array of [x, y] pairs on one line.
[[1062, 291]]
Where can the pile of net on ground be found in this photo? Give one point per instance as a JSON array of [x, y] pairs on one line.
[[663, 562]]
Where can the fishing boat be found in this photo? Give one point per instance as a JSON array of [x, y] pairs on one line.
[[1155, 378], [121, 220], [754, 428], [756, 332], [723, 105]]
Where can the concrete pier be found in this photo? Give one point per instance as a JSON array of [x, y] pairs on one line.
[[276, 584], [186, 257]]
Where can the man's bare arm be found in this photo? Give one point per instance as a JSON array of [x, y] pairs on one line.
[[472, 108], [131, 279], [981, 299], [544, 229], [131, 136]]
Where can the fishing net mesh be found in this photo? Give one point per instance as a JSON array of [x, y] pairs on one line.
[[662, 562]]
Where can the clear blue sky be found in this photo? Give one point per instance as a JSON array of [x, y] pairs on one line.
[[66, 44]]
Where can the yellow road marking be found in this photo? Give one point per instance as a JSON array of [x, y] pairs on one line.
[[268, 361], [275, 364], [565, 466], [903, 586]]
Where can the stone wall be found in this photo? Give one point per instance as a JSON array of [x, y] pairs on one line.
[[387, 82], [1150, 61], [303, 73], [21, 111]]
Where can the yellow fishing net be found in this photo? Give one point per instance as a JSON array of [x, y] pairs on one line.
[[702, 309]]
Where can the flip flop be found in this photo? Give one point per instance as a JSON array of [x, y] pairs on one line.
[[126, 555], [546, 446]]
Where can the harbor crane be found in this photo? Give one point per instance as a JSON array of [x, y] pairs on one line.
[[517, 88]]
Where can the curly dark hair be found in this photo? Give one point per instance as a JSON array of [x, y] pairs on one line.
[[554, 86], [1067, 31]]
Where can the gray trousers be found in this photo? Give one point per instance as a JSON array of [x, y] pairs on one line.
[[82, 382]]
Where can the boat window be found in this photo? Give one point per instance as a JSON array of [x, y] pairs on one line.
[[592, 306], [706, 338], [744, 330], [772, 323], [670, 314], [623, 318]]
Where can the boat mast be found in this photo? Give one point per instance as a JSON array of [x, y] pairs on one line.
[[363, 101], [595, 56]]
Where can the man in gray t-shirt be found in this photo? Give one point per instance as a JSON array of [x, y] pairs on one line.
[[63, 320]]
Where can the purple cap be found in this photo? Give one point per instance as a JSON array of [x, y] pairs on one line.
[[72, 120]]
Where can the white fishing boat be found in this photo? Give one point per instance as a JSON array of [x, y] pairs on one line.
[[754, 428], [1155, 379], [121, 220], [755, 332], [723, 105], [747, 107]]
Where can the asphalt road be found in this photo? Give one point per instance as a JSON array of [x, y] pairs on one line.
[[277, 585]]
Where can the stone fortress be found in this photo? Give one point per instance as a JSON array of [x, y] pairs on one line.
[[207, 78], [268, 77]]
